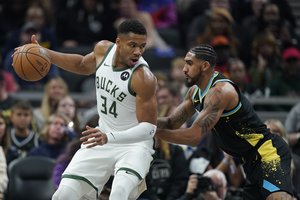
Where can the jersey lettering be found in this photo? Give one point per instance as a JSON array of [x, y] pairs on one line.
[[110, 87]]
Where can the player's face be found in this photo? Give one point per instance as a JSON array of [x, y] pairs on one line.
[[192, 69], [132, 46]]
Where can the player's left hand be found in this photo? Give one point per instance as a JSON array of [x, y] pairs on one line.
[[93, 137]]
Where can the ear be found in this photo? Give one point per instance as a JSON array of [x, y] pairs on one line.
[[206, 66], [118, 40]]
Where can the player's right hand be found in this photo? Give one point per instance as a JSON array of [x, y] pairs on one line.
[[93, 137]]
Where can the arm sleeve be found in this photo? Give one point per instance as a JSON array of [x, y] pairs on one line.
[[143, 131]]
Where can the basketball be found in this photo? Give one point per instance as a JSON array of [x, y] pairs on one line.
[[31, 62]]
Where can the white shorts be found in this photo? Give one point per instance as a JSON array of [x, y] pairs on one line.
[[95, 165]]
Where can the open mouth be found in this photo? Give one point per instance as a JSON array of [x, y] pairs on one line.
[[134, 61]]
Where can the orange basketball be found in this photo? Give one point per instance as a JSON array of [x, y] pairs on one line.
[[31, 62]]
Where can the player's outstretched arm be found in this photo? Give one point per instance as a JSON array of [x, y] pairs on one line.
[[214, 104], [181, 114], [79, 64]]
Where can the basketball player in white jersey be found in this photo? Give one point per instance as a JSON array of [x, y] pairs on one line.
[[122, 144]]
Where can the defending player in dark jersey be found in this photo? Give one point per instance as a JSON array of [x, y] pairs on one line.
[[225, 112]]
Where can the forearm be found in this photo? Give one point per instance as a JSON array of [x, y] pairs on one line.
[[167, 123], [142, 132], [186, 136], [164, 122], [69, 62]]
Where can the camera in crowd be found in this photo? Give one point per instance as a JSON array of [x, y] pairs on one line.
[[204, 184]]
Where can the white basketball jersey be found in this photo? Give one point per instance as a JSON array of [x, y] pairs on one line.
[[116, 103]]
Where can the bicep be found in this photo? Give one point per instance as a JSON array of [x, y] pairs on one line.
[[89, 63], [214, 106], [91, 60], [144, 85]]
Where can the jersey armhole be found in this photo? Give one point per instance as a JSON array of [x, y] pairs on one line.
[[104, 57], [129, 82]]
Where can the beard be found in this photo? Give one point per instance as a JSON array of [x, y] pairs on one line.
[[189, 82]]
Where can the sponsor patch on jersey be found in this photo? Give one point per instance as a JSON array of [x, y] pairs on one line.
[[124, 76]]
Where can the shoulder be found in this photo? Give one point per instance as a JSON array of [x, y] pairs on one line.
[[223, 94], [143, 75], [101, 47], [143, 80], [224, 87]]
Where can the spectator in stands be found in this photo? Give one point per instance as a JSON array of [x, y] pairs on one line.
[[6, 100], [208, 155], [53, 137], [234, 172], [269, 21], [11, 17], [4, 138], [168, 174], [34, 24], [265, 64], [287, 84], [224, 51], [63, 161], [129, 9], [85, 23], [3, 165], [35, 15], [168, 97], [213, 188], [272, 21], [68, 107], [193, 16], [9, 81], [292, 127], [49, 11], [163, 12], [162, 78], [239, 75], [248, 27], [54, 90], [277, 127], [217, 21], [22, 135], [176, 75]]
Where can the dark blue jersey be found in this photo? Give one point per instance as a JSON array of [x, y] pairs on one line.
[[238, 130]]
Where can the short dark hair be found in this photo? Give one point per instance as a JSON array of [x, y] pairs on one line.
[[132, 25], [205, 52], [22, 104]]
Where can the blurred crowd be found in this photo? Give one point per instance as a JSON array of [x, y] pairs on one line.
[[257, 45]]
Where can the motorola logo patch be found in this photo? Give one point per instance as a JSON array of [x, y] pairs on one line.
[[125, 76]]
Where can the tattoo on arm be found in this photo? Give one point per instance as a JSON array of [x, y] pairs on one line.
[[178, 118], [210, 111]]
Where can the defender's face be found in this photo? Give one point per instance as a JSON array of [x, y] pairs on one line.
[[132, 47], [192, 69]]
